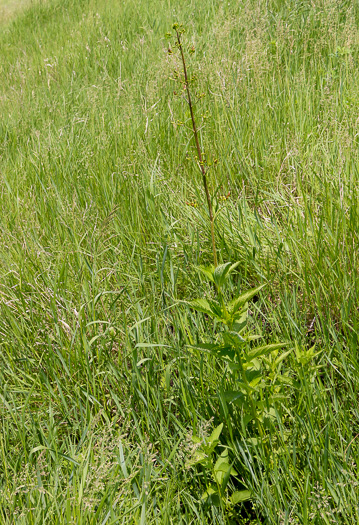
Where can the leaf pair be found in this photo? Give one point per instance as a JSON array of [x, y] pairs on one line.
[[234, 310]]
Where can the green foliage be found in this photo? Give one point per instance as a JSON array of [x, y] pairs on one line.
[[101, 231], [255, 371], [220, 469]]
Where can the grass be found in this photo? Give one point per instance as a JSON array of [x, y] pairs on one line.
[[11, 8], [100, 392]]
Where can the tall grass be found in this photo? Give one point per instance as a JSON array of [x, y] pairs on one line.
[[100, 392]]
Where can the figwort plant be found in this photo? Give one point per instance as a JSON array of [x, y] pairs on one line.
[[252, 380], [233, 339]]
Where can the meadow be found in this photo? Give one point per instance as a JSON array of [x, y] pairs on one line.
[[112, 408]]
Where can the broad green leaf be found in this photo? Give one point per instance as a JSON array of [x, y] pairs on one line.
[[224, 481], [234, 396], [233, 339], [217, 310], [253, 374], [240, 495], [240, 324], [215, 434], [240, 318], [222, 272], [265, 350], [247, 419], [241, 300], [222, 470], [285, 379], [212, 493], [255, 382], [211, 308], [224, 352], [251, 364], [222, 464], [208, 347], [207, 271], [200, 305], [245, 387], [222, 467], [223, 473], [305, 356]]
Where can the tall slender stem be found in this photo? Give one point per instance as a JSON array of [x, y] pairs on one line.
[[200, 157]]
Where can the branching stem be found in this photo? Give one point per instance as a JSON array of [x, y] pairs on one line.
[[200, 157]]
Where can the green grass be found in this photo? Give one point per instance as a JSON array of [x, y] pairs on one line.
[[10, 8], [95, 234]]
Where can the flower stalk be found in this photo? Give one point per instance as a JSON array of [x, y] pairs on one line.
[[200, 156]]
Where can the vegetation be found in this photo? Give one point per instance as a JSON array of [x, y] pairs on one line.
[[132, 386]]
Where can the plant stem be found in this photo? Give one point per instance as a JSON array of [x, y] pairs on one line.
[[200, 158]]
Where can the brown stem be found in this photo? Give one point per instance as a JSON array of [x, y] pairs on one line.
[[201, 163]]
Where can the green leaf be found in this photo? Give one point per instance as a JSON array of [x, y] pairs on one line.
[[305, 356], [255, 382], [201, 305], [234, 367], [245, 387], [285, 379], [262, 405], [241, 300], [198, 457], [223, 458], [220, 469], [253, 337], [222, 272], [208, 347], [207, 271], [222, 464], [210, 492], [144, 360], [213, 440], [239, 320], [223, 473], [224, 352], [265, 350], [282, 357], [215, 434], [211, 308], [247, 419], [217, 310], [240, 495], [223, 470], [234, 397], [233, 339]]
